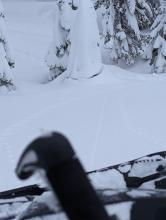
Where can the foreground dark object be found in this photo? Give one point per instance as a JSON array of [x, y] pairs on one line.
[[149, 209], [65, 174], [69, 182]]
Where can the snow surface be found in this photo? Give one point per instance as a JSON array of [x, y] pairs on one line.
[[114, 117]]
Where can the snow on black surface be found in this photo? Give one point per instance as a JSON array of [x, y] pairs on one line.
[[119, 200]]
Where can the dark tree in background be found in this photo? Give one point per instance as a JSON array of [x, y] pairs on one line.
[[58, 53], [156, 49], [121, 26], [129, 29], [6, 60]]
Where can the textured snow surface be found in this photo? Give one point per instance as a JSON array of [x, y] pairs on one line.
[[115, 117]]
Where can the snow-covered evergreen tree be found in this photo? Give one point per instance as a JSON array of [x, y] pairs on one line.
[[57, 57], [75, 46], [156, 50], [121, 24], [145, 14], [154, 3], [85, 54], [6, 60]]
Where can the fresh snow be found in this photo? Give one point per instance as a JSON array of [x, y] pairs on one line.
[[85, 55], [114, 117]]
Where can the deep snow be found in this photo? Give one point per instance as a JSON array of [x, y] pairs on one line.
[[117, 116]]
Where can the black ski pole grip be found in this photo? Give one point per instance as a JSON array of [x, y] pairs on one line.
[[65, 174]]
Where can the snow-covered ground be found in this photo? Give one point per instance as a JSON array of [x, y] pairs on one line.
[[115, 117]]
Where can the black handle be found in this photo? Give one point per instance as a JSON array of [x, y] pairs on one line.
[[65, 174]]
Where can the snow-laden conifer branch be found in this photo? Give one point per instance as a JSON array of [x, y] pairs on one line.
[[6, 59]]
